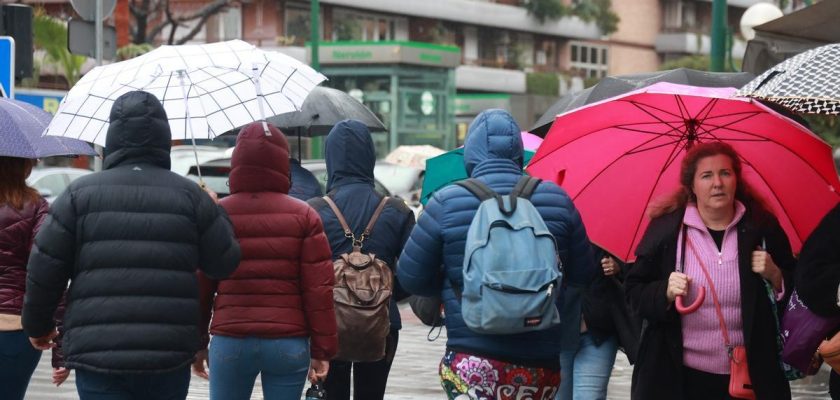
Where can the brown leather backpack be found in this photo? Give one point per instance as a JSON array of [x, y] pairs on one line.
[[362, 293]]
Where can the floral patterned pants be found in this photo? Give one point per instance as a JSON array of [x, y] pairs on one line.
[[464, 376]]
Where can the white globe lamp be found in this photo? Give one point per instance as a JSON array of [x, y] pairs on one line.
[[758, 14]]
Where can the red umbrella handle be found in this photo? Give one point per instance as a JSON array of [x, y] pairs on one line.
[[682, 309]]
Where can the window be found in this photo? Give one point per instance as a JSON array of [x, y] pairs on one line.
[[589, 60], [350, 25], [296, 24]]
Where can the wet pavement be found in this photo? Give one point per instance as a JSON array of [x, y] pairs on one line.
[[414, 373]]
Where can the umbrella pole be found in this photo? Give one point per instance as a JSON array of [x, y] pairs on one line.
[[181, 74], [255, 74], [300, 157]]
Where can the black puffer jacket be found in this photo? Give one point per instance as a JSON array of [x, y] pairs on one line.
[[129, 239]]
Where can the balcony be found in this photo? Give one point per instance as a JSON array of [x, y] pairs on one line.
[[472, 77], [692, 43], [481, 13], [739, 3]]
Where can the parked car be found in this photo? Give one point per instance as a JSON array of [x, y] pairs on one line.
[[215, 174], [183, 157], [51, 181]]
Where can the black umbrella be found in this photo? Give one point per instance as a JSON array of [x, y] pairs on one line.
[[323, 108], [615, 85]]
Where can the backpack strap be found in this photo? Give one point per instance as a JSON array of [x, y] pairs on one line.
[[483, 192], [373, 219], [525, 187], [347, 232]]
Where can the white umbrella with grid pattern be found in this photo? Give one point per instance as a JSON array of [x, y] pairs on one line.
[[206, 89]]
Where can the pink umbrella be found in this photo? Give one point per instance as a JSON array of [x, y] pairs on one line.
[[615, 156], [531, 141]]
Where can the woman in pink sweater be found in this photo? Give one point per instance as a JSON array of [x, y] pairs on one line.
[[713, 235]]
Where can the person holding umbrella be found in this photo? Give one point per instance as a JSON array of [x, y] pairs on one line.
[[350, 158], [22, 210], [274, 316], [710, 236], [130, 238]]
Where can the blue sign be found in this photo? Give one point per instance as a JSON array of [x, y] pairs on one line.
[[46, 99], [7, 66]]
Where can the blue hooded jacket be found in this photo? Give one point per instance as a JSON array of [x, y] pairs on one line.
[[304, 185], [350, 159], [433, 257]]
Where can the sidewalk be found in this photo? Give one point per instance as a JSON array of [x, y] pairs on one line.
[[414, 373]]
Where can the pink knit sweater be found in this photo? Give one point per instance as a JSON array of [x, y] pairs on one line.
[[703, 346]]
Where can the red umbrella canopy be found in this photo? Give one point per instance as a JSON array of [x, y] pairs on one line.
[[616, 156]]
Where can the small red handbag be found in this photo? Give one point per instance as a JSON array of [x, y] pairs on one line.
[[740, 385]]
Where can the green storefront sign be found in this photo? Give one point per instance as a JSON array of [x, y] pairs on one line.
[[389, 52]]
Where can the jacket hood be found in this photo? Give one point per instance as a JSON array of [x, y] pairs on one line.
[[260, 162], [493, 135], [349, 154], [138, 132]]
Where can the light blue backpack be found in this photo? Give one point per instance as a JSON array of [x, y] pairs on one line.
[[512, 273]]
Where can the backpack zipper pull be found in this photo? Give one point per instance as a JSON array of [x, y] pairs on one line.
[[548, 292]]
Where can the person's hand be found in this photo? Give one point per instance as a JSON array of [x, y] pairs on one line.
[[762, 264], [44, 342], [677, 285], [609, 266], [210, 193], [60, 375], [201, 365], [318, 370]]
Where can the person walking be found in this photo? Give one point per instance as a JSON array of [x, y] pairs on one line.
[[488, 365], [350, 158], [597, 322], [818, 276], [22, 210], [129, 238], [713, 236], [305, 185], [274, 315]]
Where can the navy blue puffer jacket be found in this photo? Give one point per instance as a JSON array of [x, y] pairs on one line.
[[493, 155], [350, 159]]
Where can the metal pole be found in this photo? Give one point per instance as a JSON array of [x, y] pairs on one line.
[[718, 51], [97, 161], [315, 36]]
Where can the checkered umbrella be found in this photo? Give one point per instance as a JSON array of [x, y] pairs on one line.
[[206, 89], [807, 83]]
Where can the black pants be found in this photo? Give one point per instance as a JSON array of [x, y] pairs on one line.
[[701, 385], [834, 385], [369, 378]]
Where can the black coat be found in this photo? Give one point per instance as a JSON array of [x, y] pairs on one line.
[[658, 370], [818, 273], [129, 239]]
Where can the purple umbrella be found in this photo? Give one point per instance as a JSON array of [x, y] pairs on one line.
[[21, 126]]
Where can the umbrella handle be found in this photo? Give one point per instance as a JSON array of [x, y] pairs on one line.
[[684, 310]]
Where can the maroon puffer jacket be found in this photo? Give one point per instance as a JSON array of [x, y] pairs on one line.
[[283, 285], [17, 233]]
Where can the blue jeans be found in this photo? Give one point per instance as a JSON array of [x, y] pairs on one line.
[[18, 360], [585, 371], [235, 362], [171, 385]]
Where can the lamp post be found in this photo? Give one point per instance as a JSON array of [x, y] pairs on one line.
[[718, 51], [315, 36]]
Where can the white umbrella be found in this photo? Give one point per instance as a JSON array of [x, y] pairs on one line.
[[206, 89]]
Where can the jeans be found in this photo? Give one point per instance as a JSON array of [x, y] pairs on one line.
[[282, 364], [369, 378], [18, 360], [172, 385], [585, 371]]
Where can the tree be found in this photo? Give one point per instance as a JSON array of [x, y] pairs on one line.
[[599, 11], [152, 17], [50, 35]]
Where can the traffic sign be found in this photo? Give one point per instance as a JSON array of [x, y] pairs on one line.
[[87, 8], [7, 66], [81, 36]]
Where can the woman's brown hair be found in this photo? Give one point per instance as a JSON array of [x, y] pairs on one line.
[[13, 188], [688, 169]]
